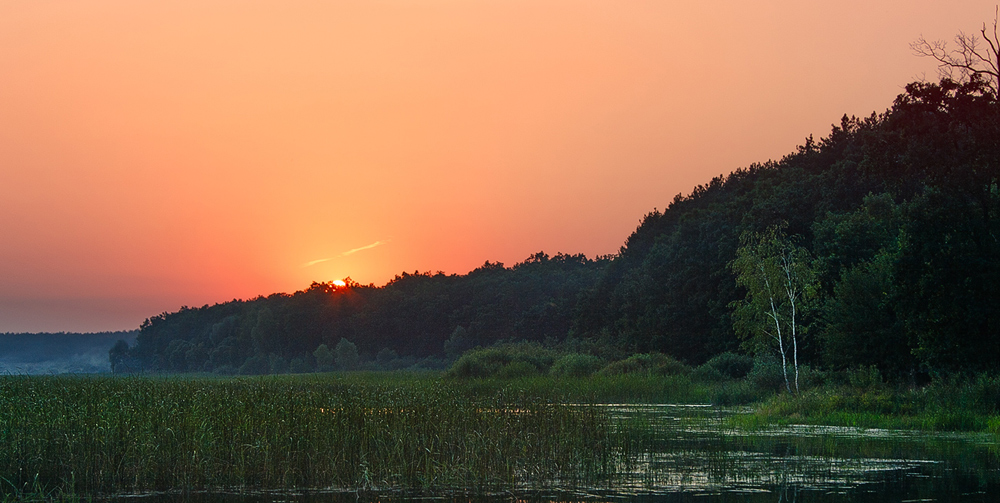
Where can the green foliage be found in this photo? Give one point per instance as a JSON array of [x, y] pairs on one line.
[[576, 365], [767, 374], [778, 279], [119, 356], [505, 360], [863, 328], [707, 373], [346, 355], [421, 316], [324, 358], [900, 211], [739, 392], [459, 342], [865, 377], [517, 369], [959, 404], [92, 436], [731, 365], [647, 363]]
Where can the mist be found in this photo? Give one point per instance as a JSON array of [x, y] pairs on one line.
[[58, 353]]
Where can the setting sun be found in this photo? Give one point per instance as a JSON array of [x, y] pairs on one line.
[[339, 283], [159, 154]]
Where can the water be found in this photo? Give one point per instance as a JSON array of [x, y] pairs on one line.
[[691, 455], [674, 453]]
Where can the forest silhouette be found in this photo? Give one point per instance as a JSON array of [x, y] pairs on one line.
[[896, 216]]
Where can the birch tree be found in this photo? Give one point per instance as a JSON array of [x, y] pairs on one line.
[[778, 279]]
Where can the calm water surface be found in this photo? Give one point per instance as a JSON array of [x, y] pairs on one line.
[[688, 454]]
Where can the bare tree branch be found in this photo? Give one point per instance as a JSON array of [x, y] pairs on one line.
[[969, 61]]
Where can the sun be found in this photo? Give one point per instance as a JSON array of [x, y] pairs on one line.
[[339, 283]]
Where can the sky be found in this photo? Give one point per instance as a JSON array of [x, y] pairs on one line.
[[163, 153]]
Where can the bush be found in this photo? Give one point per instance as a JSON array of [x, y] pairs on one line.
[[707, 373], [766, 374], [647, 363], [346, 355], [576, 365], [324, 358], [810, 377], [731, 365], [737, 393], [516, 369], [865, 377], [489, 362]]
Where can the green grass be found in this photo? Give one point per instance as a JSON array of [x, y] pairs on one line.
[[66, 436], [625, 388], [969, 405], [100, 435]]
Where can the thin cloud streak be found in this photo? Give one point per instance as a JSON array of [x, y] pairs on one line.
[[346, 253]]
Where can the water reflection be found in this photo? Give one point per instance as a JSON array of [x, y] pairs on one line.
[[691, 453], [673, 453]]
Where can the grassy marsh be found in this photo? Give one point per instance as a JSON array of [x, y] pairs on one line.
[[99, 435], [969, 405], [105, 436]]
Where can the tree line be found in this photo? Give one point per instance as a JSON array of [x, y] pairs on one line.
[[889, 225], [418, 319]]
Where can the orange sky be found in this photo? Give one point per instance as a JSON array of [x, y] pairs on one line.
[[156, 154]]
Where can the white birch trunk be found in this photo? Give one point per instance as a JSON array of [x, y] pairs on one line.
[[793, 294], [777, 330]]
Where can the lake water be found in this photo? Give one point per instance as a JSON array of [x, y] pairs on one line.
[[693, 456], [675, 453]]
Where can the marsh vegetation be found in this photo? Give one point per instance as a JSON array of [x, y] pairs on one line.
[[318, 437]]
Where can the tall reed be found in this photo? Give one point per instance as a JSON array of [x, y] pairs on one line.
[[104, 435]]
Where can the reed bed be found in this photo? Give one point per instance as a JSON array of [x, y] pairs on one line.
[[106, 435]]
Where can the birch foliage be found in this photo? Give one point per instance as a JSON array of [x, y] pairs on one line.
[[779, 280]]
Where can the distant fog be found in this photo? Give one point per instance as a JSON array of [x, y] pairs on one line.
[[59, 353]]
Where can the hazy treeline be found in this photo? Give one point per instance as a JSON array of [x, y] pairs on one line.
[[897, 216], [58, 353], [415, 319]]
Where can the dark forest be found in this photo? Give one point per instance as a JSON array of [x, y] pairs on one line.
[[894, 219]]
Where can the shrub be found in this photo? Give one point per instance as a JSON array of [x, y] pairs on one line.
[[324, 358], [766, 374], [649, 363], [489, 362], [576, 365], [731, 365], [737, 393], [986, 394], [517, 368], [346, 355], [865, 377], [810, 377], [707, 373]]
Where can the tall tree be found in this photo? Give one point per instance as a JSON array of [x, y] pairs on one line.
[[778, 278], [970, 60]]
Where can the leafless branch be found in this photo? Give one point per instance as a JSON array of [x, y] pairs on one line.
[[970, 60]]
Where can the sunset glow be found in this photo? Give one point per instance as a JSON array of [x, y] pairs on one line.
[[164, 153]]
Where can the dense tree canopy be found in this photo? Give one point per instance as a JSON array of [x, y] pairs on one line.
[[899, 214]]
